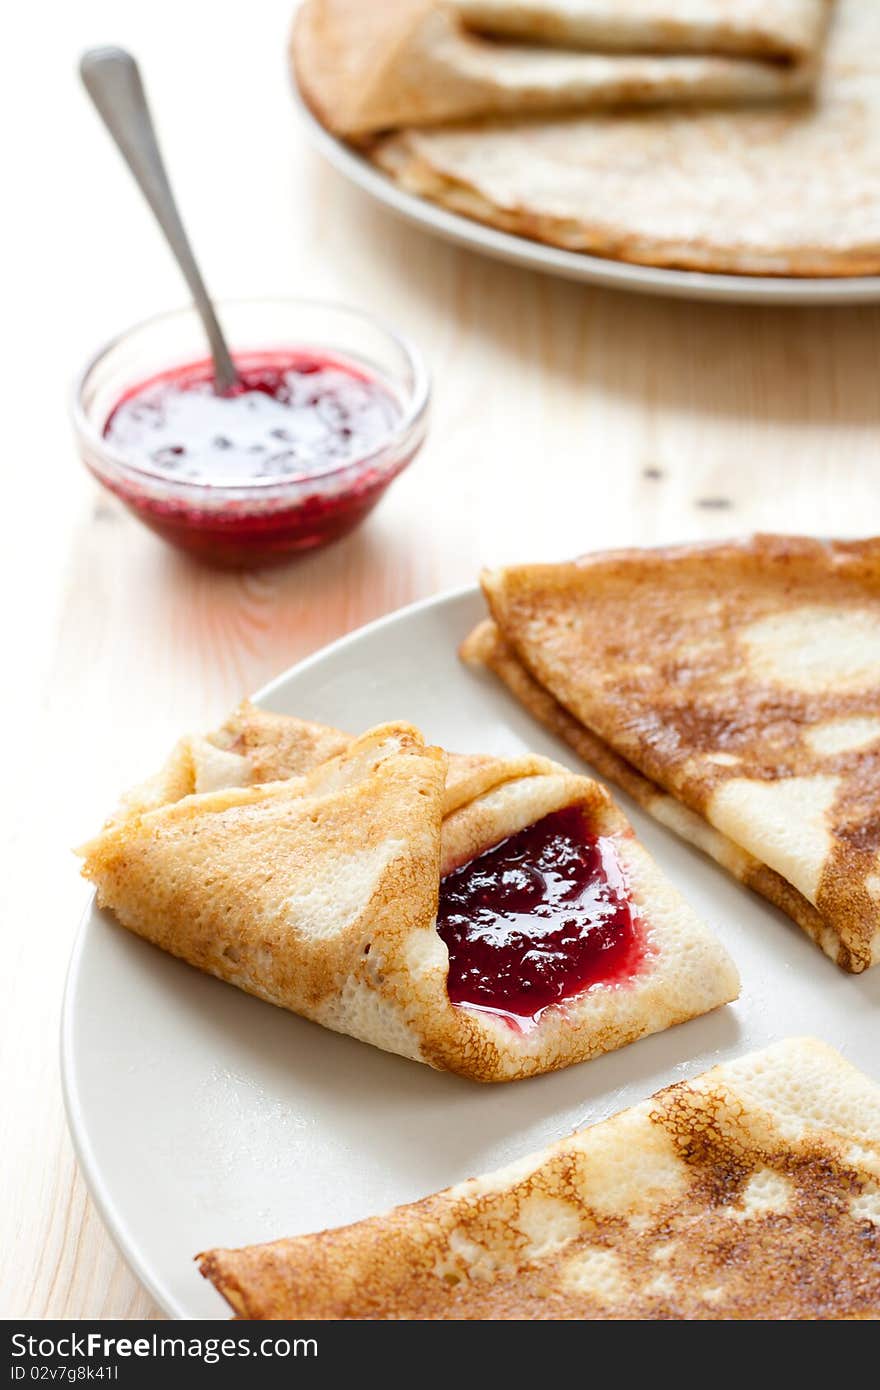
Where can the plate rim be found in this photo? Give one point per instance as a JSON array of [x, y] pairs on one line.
[[445, 596], [89, 1168], [713, 287], [108, 1209]]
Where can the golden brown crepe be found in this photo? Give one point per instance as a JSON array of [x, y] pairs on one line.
[[750, 1192], [485, 646], [788, 30], [319, 893], [256, 745], [792, 191], [741, 680], [365, 68]]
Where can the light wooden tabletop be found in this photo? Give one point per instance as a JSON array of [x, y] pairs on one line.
[[564, 419]]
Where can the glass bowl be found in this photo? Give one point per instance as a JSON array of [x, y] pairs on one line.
[[266, 520]]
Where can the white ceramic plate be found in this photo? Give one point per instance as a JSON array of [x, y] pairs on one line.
[[575, 265], [204, 1117]]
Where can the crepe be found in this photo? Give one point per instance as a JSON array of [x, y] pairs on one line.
[[791, 191], [365, 68], [319, 893], [788, 30], [256, 745], [741, 679], [485, 646], [252, 746], [750, 1192]]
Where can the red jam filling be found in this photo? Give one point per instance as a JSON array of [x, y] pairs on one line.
[[295, 418], [538, 919]]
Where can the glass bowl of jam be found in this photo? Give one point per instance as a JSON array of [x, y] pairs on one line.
[[331, 406]]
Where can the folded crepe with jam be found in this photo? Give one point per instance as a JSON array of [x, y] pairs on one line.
[[493, 917]]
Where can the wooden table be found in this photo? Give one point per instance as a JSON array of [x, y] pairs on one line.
[[564, 419]]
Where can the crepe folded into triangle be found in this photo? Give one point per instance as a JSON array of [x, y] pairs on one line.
[[365, 68], [320, 892], [787, 30], [788, 190], [734, 691], [749, 1192]]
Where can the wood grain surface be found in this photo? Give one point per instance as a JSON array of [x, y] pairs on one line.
[[564, 419]]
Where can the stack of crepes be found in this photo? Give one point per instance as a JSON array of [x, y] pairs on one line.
[[726, 135], [733, 690]]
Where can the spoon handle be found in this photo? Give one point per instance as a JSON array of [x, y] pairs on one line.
[[113, 81]]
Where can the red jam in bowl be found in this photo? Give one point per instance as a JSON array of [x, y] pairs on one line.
[[290, 459], [537, 919]]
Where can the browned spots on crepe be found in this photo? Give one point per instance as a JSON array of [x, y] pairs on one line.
[[485, 646], [718, 669], [748, 1193], [276, 746]]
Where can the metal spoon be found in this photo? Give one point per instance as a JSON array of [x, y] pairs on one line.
[[113, 81]]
